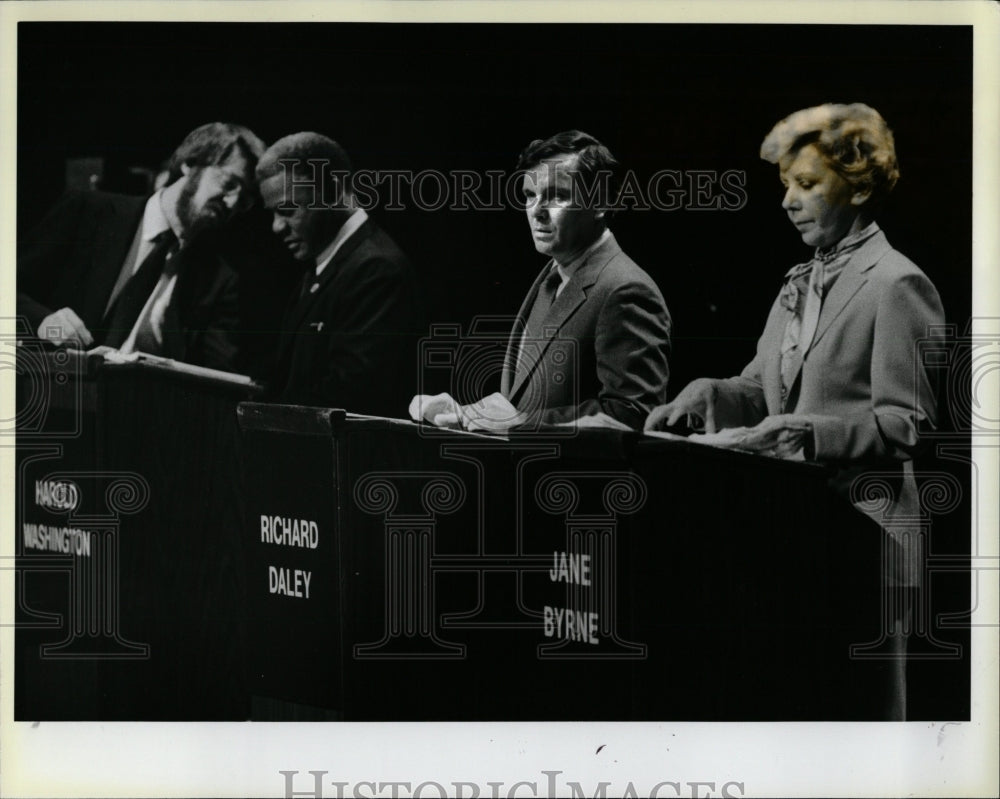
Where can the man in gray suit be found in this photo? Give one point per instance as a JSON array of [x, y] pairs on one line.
[[592, 337]]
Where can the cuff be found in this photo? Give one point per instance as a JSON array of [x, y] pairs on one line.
[[829, 438]]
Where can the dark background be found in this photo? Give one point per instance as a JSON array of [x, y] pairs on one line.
[[471, 96]]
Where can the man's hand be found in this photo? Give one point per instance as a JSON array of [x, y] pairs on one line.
[[697, 400], [493, 414], [440, 410], [65, 329]]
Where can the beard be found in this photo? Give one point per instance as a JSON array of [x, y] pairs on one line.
[[196, 221]]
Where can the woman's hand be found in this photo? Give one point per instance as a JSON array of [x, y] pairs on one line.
[[696, 401]]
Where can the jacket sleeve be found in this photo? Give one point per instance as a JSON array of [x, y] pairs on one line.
[[632, 349], [41, 253], [740, 400], [902, 400], [220, 343]]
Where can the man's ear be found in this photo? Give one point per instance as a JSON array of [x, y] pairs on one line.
[[185, 168]]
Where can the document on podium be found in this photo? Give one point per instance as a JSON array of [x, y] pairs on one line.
[[114, 356]]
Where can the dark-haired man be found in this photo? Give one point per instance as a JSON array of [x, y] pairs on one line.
[[348, 338], [132, 273], [592, 336]]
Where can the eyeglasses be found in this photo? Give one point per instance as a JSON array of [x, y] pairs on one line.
[[232, 187]]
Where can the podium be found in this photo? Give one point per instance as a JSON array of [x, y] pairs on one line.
[[128, 561], [185, 553], [400, 572]]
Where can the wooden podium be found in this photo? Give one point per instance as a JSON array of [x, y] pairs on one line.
[[185, 554], [397, 571], [129, 568]]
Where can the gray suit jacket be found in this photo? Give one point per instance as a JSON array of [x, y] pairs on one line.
[[605, 345], [862, 383]]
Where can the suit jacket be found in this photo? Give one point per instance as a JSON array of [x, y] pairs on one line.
[[605, 345], [352, 343], [73, 259], [862, 383]]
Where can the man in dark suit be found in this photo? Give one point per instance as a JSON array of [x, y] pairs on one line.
[[134, 273], [592, 337], [349, 332]]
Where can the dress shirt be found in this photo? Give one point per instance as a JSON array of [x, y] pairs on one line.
[[354, 221], [565, 274], [154, 222], [830, 264], [567, 271], [823, 271]]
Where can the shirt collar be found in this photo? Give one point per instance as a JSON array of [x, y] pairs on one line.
[[154, 221], [354, 221], [567, 271]]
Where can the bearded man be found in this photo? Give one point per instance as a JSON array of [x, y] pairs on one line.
[[134, 273]]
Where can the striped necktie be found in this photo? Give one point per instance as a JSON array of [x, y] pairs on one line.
[[539, 310], [121, 318]]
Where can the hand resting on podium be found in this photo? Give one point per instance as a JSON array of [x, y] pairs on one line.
[[65, 328], [693, 408], [784, 435], [492, 414], [781, 436]]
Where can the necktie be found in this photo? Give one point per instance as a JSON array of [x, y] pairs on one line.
[[123, 315], [308, 280], [543, 302]]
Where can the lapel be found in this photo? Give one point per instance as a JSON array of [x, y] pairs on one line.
[[116, 227], [848, 284], [300, 307], [772, 365], [510, 357], [186, 277], [573, 295]]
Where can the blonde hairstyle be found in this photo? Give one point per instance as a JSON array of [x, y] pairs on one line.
[[854, 140]]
